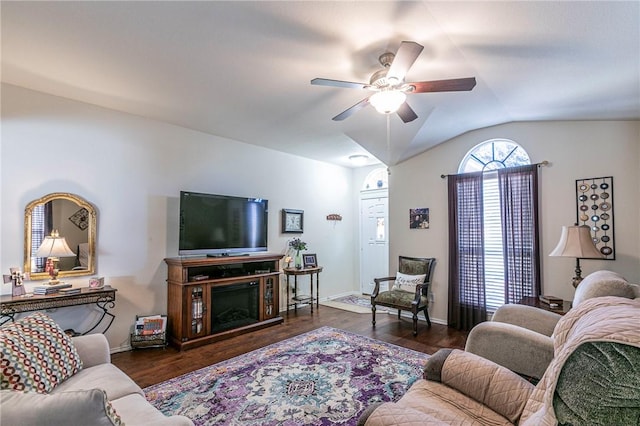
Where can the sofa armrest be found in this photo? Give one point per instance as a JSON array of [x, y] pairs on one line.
[[86, 407], [392, 414], [490, 384], [529, 317], [93, 349], [518, 349]]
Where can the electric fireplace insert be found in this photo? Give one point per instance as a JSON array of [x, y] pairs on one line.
[[234, 306]]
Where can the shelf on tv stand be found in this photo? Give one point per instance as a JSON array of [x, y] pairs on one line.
[[189, 301]]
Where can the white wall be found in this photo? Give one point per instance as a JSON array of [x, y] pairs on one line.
[[576, 150], [132, 170]]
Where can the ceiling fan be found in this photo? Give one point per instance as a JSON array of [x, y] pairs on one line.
[[390, 88]]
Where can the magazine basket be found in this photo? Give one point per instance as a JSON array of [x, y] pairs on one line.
[[149, 340]]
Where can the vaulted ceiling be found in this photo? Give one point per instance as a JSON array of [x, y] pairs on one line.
[[242, 70]]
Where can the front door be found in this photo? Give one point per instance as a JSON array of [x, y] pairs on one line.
[[374, 238]]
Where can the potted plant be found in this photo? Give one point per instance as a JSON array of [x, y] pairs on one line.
[[297, 244]]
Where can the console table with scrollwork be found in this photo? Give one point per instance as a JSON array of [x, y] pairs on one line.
[[103, 298]]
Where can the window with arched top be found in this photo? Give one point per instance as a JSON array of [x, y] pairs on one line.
[[376, 179], [504, 194], [494, 154]]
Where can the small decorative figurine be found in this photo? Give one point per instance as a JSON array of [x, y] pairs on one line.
[[16, 278]]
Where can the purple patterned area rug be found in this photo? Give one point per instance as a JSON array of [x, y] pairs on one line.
[[323, 377]]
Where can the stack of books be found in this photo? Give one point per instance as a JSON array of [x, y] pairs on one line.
[[50, 288], [70, 290], [552, 301]]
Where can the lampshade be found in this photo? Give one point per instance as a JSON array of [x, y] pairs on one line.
[[387, 101], [576, 241], [54, 246]]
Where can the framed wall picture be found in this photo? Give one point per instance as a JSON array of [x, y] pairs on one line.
[[419, 218], [309, 260], [292, 221]]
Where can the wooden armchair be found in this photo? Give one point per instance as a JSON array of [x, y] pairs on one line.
[[406, 294]]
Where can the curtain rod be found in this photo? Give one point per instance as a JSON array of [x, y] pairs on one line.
[[542, 163]]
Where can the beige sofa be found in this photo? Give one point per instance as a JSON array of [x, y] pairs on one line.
[[520, 337], [95, 393], [592, 379]]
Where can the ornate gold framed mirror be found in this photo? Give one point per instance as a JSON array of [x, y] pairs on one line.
[[74, 219]]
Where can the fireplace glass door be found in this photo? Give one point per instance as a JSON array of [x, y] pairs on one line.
[[234, 306]]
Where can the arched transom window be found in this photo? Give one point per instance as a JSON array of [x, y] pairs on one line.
[[494, 154], [376, 179]]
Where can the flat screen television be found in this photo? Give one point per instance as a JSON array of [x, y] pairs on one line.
[[222, 225]]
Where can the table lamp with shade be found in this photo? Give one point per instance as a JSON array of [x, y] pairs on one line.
[[54, 247], [576, 241]]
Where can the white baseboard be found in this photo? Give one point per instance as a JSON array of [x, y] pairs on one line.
[[124, 348]]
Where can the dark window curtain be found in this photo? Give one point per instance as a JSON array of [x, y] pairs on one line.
[[519, 210], [467, 305], [48, 218]]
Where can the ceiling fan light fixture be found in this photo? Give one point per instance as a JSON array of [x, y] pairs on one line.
[[387, 101], [358, 159], [390, 87]]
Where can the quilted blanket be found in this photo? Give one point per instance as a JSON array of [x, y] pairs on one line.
[[602, 319]]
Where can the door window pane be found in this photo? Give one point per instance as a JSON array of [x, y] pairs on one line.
[[381, 233]]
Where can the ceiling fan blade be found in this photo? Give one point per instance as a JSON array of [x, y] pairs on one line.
[[349, 111], [405, 57], [338, 83], [406, 113], [452, 85]]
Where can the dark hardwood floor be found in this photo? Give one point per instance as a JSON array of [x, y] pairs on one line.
[[154, 365]]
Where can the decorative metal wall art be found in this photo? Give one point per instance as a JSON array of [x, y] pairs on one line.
[[594, 208], [80, 218]]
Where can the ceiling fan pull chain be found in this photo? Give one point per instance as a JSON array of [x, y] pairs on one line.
[[389, 136]]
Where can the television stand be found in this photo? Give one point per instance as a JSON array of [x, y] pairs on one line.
[[201, 289]]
